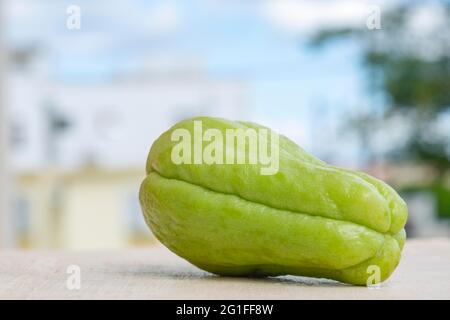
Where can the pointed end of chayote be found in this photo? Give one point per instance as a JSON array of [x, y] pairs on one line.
[[377, 269]]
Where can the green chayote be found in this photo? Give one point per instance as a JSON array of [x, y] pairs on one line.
[[308, 219]]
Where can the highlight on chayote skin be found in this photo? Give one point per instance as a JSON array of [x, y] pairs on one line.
[[237, 199]]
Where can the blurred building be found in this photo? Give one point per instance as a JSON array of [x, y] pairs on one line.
[[80, 209], [111, 123], [79, 150]]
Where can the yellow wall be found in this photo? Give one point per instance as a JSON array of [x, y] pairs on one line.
[[85, 209]]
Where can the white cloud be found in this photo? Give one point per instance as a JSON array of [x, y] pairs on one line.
[[132, 17], [426, 19], [18, 9], [165, 17], [107, 27], [306, 16], [159, 18]]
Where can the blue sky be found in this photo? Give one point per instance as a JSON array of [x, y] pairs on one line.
[[233, 40], [262, 43]]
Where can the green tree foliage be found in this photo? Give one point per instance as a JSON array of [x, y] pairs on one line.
[[407, 62]]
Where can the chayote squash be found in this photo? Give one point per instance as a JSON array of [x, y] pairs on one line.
[[308, 219]]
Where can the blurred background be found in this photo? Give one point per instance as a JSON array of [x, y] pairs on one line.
[[86, 86]]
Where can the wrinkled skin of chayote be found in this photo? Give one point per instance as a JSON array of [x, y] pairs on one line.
[[308, 219]]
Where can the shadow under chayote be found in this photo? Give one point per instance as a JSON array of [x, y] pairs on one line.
[[190, 274]]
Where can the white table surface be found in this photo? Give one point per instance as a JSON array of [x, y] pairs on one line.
[[156, 273]]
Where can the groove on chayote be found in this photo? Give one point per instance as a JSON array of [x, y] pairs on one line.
[[308, 219]]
